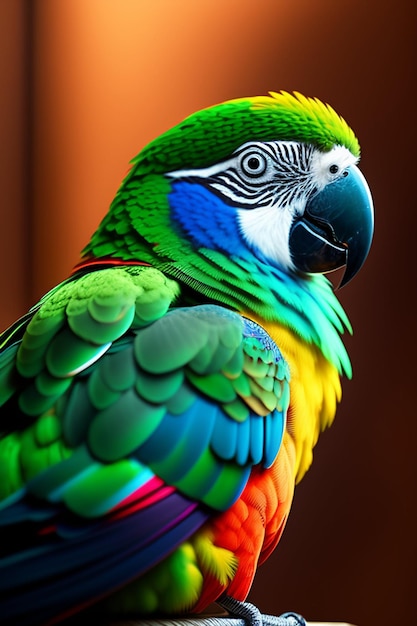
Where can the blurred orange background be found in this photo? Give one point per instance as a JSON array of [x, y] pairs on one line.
[[85, 84]]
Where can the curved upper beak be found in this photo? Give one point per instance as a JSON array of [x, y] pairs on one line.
[[336, 228]]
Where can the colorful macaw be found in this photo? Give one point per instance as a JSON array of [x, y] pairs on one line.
[[160, 404]]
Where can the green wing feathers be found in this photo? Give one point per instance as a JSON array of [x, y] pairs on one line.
[[114, 386], [79, 322], [71, 329]]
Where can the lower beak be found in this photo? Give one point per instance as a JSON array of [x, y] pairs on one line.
[[336, 229]]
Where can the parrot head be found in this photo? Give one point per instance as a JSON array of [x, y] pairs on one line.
[[269, 180]]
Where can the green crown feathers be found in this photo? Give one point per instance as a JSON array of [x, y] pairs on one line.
[[212, 134]]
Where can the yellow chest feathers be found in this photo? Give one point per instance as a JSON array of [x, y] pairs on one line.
[[315, 391]]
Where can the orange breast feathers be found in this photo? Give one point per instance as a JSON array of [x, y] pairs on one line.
[[243, 536]]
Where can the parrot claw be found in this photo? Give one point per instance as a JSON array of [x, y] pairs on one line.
[[248, 612], [253, 617]]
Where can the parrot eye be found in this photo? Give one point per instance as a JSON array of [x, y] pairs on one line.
[[253, 164], [333, 169]]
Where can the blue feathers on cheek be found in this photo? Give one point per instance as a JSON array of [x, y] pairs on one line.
[[204, 219]]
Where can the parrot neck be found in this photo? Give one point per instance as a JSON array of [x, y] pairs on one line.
[[306, 306], [138, 230]]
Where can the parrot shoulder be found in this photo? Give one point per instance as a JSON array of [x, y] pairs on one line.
[[62, 336], [72, 326]]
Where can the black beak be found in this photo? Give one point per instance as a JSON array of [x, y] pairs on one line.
[[336, 228]]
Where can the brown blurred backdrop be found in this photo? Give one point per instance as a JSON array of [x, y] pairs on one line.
[[85, 84]]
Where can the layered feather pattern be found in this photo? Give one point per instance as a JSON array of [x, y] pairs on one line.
[[159, 405], [121, 401]]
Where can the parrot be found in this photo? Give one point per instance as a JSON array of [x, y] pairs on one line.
[[159, 406]]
